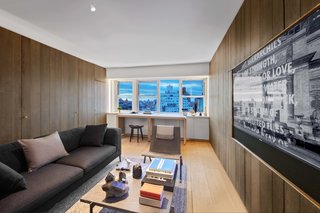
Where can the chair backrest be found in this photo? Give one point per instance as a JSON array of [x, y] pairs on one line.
[[166, 146]]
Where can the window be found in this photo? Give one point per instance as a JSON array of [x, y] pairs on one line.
[[169, 96], [192, 95], [125, 95], [159, 95], [148, 95]]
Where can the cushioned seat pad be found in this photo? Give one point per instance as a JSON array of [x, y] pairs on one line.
[[42, 185], [88, 157]]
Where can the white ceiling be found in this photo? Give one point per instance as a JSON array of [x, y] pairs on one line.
[[125, 33]]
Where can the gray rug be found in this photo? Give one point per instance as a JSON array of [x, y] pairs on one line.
[[75, 196], [178, 201], [178, 204]]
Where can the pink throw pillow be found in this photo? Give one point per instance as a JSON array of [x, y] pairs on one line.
[[41, 151]]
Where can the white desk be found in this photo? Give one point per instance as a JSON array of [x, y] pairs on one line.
[[150, 118]]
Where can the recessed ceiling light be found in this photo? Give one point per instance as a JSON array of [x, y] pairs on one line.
[[92, 8]]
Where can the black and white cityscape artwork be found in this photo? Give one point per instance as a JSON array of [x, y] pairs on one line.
[[276, 92]]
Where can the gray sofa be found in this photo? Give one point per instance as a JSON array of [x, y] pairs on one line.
[[53, 182]]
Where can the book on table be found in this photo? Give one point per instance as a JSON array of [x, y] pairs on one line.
[[151, 195], [161, 168]]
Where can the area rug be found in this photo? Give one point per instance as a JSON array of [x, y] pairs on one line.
[[69, 201], [178, 204], [178, 201]]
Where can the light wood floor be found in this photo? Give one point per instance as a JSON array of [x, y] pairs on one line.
[[208, 186]]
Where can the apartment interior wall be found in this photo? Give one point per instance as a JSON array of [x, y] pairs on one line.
[[259, 187], [43, 90]]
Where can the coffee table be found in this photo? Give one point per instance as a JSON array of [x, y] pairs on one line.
[[96, 196]]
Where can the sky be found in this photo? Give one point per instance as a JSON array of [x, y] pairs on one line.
[[125, 88], [194, 87], [149, 88]]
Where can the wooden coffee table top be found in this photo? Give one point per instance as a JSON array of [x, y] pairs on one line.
[[96, 196]]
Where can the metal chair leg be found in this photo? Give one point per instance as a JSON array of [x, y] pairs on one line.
[[131, 134], [141, 133], [181, 169], [138, 135]]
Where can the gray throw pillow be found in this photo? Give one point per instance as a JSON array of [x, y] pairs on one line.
[[10, 180], [93, 135], [42, 151]]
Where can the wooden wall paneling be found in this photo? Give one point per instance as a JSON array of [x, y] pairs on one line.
[[277, 17], [10, 86], [45, 90], [86, 93], [292, 11], [211, 100], [100, 102], [292, 199], [227, 100], [277, 193], [265, 189], [307, 5], [221, 118], [55, 114], [248, 185], [266, 18], [100, 74], [240, 172], [69, 95], [210, 103], [255, 185], [242, 34], [255, 25], [238, 27], [247, 27], [31, 122], [100, 95], [214, 102], [217, 110], [232, 63], [307, 206]]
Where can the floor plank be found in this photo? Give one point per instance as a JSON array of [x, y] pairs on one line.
[[209, 189]]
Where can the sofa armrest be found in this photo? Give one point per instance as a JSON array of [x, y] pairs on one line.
[[113, 137]]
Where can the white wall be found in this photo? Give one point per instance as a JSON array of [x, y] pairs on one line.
[[180, 70]]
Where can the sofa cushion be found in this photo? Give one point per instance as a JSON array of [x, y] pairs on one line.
[[10, 180], [42, 151], [12, 155], [93, 135], [88, 157], [43, 184], [71, 138]]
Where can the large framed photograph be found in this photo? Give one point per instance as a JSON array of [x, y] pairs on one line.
[[276, 103]]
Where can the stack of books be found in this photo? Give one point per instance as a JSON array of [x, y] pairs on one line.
[[151, 195], [161, 169], [161, 172]]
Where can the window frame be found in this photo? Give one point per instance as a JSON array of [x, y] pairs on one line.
[[118, 96], [179, 82], [195, 96], [135, 93], [138, 94]]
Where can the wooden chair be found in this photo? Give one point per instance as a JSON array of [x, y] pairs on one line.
[[169, 149]]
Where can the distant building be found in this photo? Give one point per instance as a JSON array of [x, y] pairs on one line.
[[125, 104], [169, 100]]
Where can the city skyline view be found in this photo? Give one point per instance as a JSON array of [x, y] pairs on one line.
[[169, 95]]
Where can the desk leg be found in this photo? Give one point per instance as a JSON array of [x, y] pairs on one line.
[[120, 124], [185, 131], [150, 124], [92, 205]]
